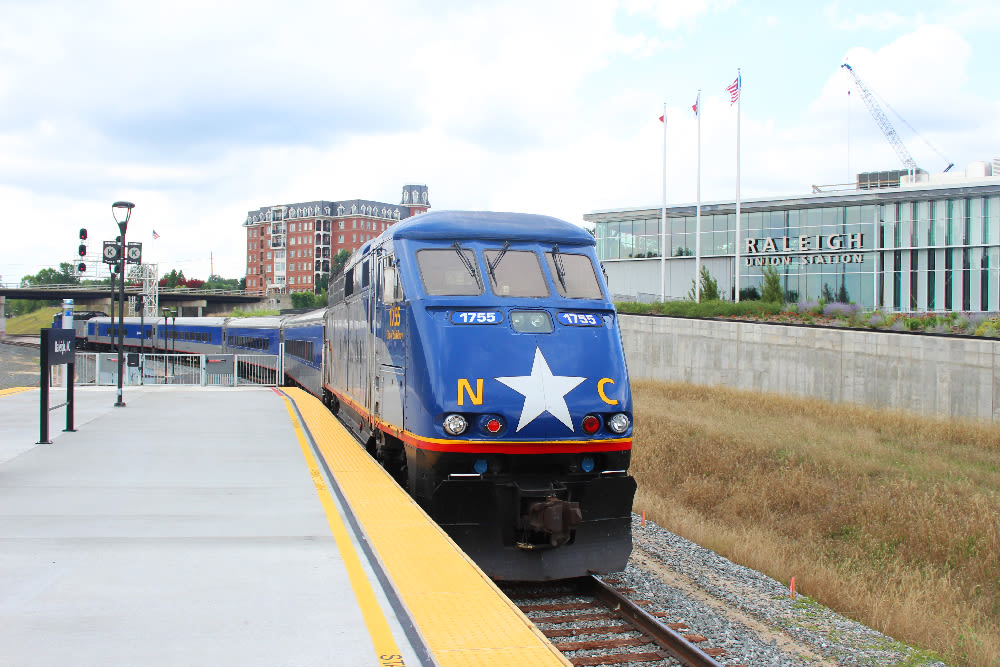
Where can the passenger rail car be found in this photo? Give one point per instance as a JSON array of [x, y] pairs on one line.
[[479, 356], [303, 349], [190, 335], [102, 333], [254, 335], [80, 319]]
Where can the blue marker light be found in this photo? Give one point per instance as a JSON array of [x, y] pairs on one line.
[[480, 466], [587, 464]]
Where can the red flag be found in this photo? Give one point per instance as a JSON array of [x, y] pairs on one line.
[[694, 107], [661, 119], [734, 91]]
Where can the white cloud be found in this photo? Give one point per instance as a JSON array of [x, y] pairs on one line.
[[673, 14], [881, 20], [547, 107]]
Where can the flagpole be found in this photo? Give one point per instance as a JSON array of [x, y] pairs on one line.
[[697, 215], [739, 101], [663, 215]]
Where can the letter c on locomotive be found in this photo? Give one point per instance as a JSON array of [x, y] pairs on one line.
[[600, 391]]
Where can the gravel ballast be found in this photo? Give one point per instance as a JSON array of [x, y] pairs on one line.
[[747, 613]]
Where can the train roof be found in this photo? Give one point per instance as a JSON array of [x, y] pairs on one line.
[[489, 225], [192, 320], [316, 315], [256, 322]]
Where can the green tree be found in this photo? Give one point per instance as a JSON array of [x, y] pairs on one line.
[[302, 299], [65, 275], [338, 262], [772, 290], [216, 281], [308, 299], [842, 295], [709, 287]]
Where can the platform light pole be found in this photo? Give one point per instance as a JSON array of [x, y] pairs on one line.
[[121, 211]]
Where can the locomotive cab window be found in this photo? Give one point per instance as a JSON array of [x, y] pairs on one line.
[[515, 273], [449, 272], [392, 289], [573, 275]]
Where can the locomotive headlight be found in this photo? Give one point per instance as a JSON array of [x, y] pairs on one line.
[[618, 423], [455, 424]]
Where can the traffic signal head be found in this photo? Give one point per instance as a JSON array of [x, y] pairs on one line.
[[82, 250], [83, 234], [81, 267]]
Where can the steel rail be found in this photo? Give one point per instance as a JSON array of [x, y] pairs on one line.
[[666, 638]]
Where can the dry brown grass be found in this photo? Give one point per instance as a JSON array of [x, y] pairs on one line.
[[889, 518]]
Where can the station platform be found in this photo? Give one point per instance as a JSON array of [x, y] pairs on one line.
[[227, 526]]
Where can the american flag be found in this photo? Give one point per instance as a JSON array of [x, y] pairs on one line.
[[734, 91], [155, 235]]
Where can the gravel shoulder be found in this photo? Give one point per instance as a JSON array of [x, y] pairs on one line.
[[18, 366], [747, 613]]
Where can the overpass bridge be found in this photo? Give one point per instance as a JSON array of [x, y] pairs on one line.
[[190, 302]]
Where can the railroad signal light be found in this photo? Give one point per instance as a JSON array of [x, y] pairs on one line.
[[82, 250], [83, 234]]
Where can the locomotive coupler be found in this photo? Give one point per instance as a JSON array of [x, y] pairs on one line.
[[555, 518]]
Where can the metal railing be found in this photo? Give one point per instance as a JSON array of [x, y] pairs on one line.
[[205, 370], [76, 287]]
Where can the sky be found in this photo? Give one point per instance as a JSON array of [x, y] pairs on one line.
[[199, 112]]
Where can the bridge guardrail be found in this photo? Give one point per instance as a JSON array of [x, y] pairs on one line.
[[162, 290]]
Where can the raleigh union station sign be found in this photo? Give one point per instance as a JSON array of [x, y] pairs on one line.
[[818, 249]]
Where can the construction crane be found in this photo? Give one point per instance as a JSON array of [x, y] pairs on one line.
[[887, 129]]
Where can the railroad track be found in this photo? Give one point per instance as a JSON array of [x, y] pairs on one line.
[[22, 341], [593, 623]]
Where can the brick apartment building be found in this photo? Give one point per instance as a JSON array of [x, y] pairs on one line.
[[290, 246]]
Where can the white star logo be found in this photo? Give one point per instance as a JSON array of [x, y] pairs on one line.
[[543, 392]]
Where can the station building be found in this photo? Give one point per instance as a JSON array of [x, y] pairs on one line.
[[894, 241], [290, 246]]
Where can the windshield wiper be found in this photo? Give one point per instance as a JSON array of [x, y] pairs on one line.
[[465, 260], [496, 261], [560, 271]]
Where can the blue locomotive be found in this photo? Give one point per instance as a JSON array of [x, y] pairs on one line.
[[478, 358], [478, 355]]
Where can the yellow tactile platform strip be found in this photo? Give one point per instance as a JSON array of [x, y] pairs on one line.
[[461, 615]]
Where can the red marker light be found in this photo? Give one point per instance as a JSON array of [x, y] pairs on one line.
[[493, 425], [591, 424]]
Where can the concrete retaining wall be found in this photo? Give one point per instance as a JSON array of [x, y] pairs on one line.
[[932, 375]]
